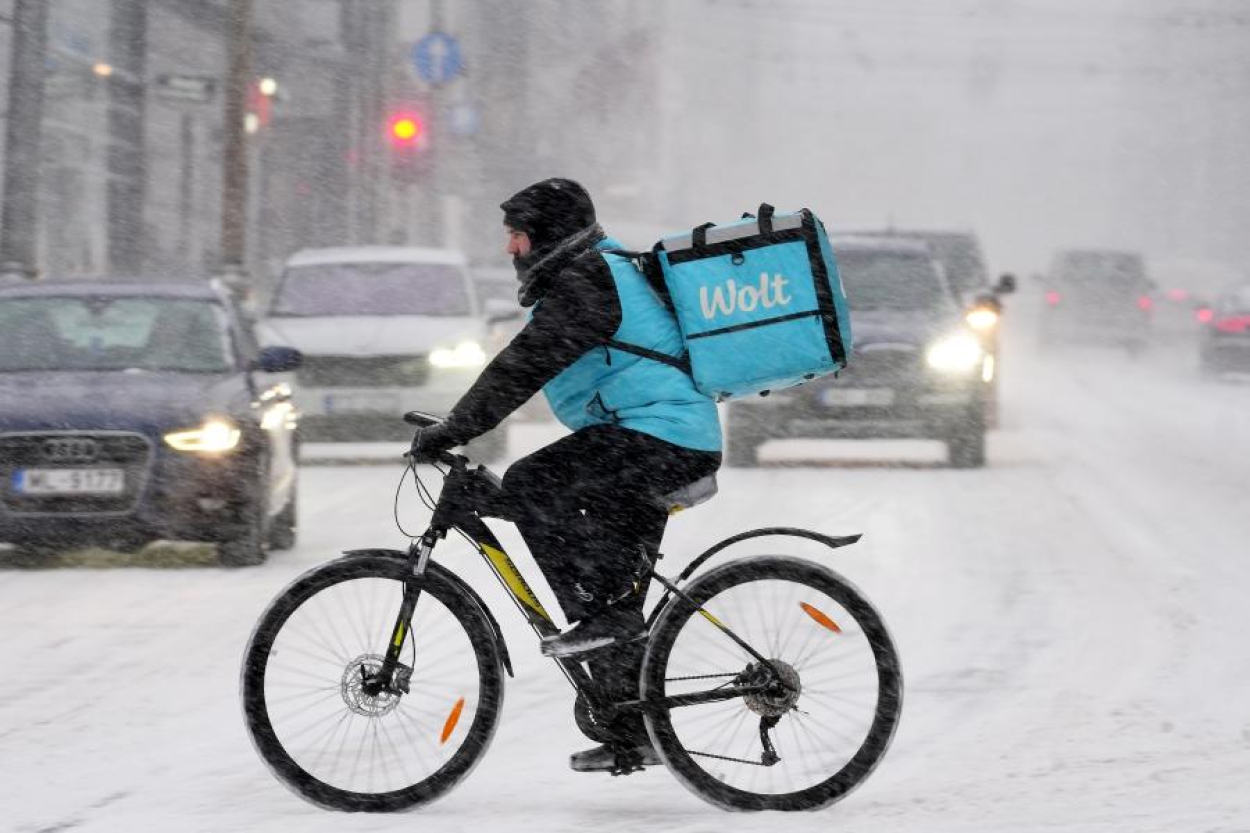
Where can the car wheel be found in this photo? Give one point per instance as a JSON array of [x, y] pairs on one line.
[[1207, 367], [743, 440], [966, 445], [991, 409], [248, 548], [282, 529]]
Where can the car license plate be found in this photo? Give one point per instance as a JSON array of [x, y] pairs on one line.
[[69, 481], [862, 397], [361, 403]]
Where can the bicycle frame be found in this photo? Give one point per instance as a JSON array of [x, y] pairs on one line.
[[470, 494]]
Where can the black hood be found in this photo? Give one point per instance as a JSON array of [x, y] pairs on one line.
[[549, 211], [559, 218], [146, 401]]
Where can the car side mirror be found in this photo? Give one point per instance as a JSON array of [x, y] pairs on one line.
[[277, 359], [498, 309], [1006, 284]]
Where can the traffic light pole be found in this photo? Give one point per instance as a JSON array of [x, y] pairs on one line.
[[234, 164], [126, 123], [19, 227]]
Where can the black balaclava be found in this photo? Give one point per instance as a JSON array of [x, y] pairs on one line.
[[550, 212]]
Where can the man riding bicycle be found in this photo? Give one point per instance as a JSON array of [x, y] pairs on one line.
[[588, 504]]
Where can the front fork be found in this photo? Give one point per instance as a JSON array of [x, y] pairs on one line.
[[393, 677]]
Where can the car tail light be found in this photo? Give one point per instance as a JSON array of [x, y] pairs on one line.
[[1205, 315], [1233, 324], [1052, 297], [1145, 302], [1177, 294]]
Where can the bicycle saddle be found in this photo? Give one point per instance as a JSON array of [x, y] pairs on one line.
[[690, 495]]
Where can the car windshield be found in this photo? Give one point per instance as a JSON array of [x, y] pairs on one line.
[[372, 289], [960, 256], [1102, 280], [885, 280], [1117, 270], [1236, 302], [113, 333]]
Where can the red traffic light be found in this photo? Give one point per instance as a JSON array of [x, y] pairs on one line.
[[405, 129]]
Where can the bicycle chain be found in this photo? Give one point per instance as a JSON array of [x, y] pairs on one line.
[[697, 677], [724, 758], [709, 754]]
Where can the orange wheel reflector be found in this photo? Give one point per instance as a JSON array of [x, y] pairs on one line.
[[821, 618], [452, 720]]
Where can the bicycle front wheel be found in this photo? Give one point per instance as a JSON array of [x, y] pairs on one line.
[[813, 736], [331, 736]]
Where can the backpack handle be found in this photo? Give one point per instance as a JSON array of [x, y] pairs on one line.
[[698, 237], [766, 218]]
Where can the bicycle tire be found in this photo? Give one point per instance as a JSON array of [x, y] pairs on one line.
[[488, 706], [885, 714]]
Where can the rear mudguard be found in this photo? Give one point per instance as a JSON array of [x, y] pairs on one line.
[[457, 583], [831, 541]]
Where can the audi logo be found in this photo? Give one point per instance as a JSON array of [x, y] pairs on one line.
[[70, 450]]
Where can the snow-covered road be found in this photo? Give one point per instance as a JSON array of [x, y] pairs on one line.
[[1072, 623]]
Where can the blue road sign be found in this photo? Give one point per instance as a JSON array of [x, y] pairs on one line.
[[465, 119], [437, 58]]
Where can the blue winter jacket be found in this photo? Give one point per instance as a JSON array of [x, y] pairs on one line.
[[612, 386]]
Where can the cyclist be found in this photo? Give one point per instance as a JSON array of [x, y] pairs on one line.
[[587, 504]]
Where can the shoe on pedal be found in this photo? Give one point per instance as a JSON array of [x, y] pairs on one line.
[[612, 627], [603, 758]]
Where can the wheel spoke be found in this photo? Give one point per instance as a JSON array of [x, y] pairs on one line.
[[799, 617], [317, 701]]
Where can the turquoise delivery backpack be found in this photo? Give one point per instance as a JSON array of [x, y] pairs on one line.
[[759, 302]]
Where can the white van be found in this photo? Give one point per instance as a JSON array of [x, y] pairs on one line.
[[383, 330]]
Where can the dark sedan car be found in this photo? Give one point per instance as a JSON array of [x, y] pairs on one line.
[[916, 369], [963, 266], [136, 411]]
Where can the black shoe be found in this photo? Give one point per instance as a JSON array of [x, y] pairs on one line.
[[612, 627], [604, 758]]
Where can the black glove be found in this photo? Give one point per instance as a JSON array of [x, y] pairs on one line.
[[431, 442]]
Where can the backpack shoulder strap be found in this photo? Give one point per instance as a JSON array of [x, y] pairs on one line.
[[648, 263], [681, 362]]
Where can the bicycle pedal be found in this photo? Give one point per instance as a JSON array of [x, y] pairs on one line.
[[627, 763], [626, 769]]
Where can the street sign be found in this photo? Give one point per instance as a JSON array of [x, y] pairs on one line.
[[197, 88], [437, 58], [465, 119]]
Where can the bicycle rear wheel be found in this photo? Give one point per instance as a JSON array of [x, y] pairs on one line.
[[829, 724], [313, 719]]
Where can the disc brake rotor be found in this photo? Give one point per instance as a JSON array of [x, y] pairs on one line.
[[352, 688]]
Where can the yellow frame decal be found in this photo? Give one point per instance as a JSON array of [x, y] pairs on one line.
[[515, 581]]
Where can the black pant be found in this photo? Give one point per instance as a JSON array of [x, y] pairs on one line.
[[585, 505]]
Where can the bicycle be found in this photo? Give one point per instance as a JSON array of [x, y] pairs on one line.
[[783, 693]]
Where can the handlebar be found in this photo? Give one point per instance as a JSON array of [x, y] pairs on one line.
[[456, 461]]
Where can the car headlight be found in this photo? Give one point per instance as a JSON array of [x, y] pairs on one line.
[[213, 437], [982, 319], [278, 415], [955, 354], [465, 354]]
